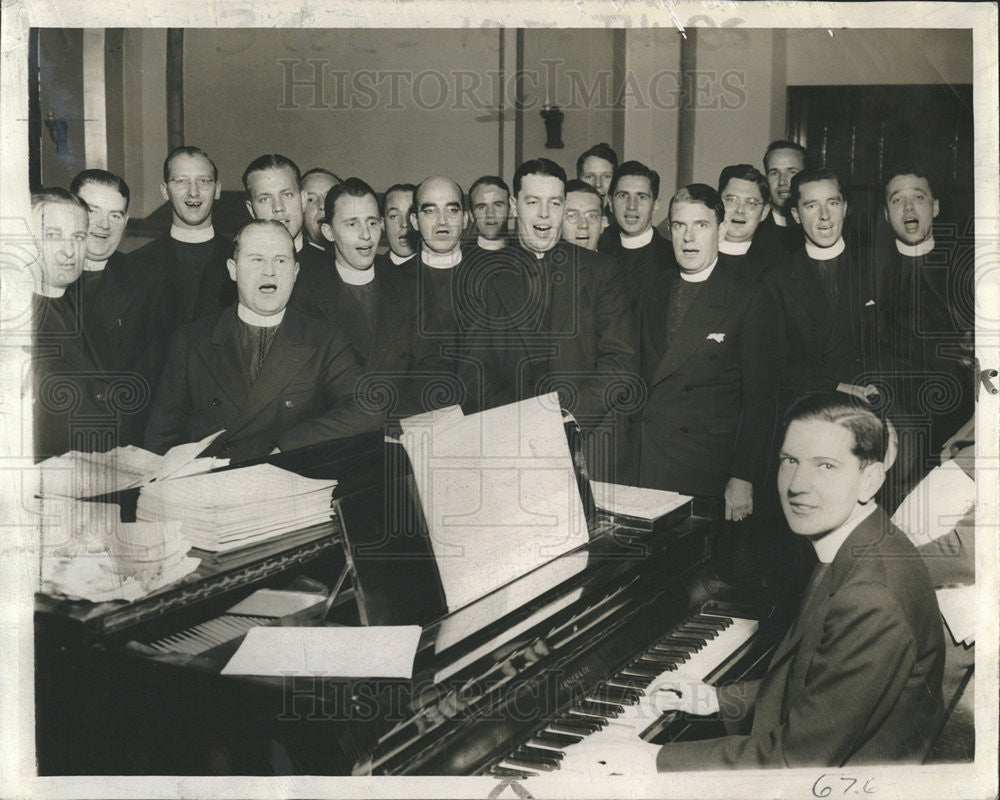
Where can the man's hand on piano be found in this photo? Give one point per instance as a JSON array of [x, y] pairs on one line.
[[680, 693], [739, 499], [599, 755]]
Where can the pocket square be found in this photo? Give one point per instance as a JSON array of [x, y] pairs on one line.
[[716, 337], [869, 303], [289, 404]]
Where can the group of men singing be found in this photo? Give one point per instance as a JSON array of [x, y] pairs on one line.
[[678, 356]]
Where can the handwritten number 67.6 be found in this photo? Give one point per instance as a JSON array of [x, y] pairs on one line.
[[824, 785]]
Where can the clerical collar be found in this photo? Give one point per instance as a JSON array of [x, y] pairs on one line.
[[734, 248], [318, 247], [352, 276], [700, 277], [251, 317], [828, 546], [825, 253], [299, 242], [94, 266], [491, 244], [399, 260], [441, 260], [51, 291], [915, 250], [779, 219], [192, 235], [635, 242]]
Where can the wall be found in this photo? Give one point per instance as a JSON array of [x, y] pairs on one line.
[[60, 57], [402, 127], [144, 101], [879, 56]]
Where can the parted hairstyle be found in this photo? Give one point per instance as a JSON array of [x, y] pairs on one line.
[[812, 176], [699, 193], [352, 187], [538, 166], [271, 161], [871, 435], [102, 178], [601, 150], [639, 169], [745, 172], [187, 150]]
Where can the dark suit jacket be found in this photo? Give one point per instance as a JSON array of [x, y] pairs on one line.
[[570, 331], [823, 345], [773, 243], [710, 409], [389, 357], [857, 679], [635, 265], [304, 394]]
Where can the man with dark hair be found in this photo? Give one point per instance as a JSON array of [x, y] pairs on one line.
[[709, 361], [923, 332], [274, 191], [490, 201], [746, 195], [825, 297], [597, 166], [190, 257], [558, 321], [270, 376], [778, 235], [396, 206], [316, 182], [582, 218], [633, 242], [124, 308], [857, 678]]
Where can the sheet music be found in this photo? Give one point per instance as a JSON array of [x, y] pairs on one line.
[[634, 501], [499, 493], [936, 504]]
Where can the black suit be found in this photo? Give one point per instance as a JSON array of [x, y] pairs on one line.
[[304, 394], [634, 265], [710, 409], [773, 243], [824, 344]]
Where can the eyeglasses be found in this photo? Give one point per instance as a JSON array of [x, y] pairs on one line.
[[747, 202], [573, 217]]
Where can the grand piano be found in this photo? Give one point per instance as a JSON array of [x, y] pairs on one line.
[[502, 686]]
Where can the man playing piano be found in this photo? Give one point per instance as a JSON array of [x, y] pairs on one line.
[[857, 677]]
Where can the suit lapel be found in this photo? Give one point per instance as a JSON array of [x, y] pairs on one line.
[[339, 306], [701, 320], [567, 289], [386, 301], [224, 359]]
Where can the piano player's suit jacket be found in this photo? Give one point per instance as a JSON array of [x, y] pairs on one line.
[[712, 390], [856, 680], [304, 394]]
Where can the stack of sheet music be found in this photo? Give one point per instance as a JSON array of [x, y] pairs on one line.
[[221, 511]]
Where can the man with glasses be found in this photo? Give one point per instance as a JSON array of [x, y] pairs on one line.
[[745, 194]]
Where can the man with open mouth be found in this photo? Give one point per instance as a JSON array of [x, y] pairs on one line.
[[490, 201], [746, 195], [582, 219], [396, 205], [269, 376]]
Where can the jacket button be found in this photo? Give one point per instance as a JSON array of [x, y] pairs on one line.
[[100, 395], [216, 402]]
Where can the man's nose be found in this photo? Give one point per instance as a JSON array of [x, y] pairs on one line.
[[824, 211], [631, 203], [799, 482], [582, 223], [279, 204], [100, 220], [689, 234], [365, 233], [192, 189]]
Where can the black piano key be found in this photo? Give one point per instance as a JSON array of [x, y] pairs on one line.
[[552, 739], [631, 681], [642, 672], [535, 758], [538, 767], [677, 652], [574, 717], [698, 630], [691, 639], [575, 726], [507, 772], [657, 664], [614, 694], [711, 619], [605, 710]]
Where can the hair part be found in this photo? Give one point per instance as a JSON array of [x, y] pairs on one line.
[[187, 150], [352, 187], [812, 176], [745, 172], [397, 187], [538, 166], [871, 436], [601, 150], [638, 169], [271, 161], [699, 193], [576, 185], [46, 195], [101, 177]]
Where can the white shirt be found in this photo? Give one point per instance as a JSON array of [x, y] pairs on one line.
[[491, 244], [259, 320], [825, 253], [699, 277], [352, 276], [827, 547], [399, 260], [94, 266], [192, 235], [441, 260], [734, 248], [640, 240], [779, 219], [51, 291], [915, 250]]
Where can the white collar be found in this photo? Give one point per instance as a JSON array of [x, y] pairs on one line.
[[915, 250], [781, 220], [702, 276], [399, 260], [317, 246], [192, 235], [299, 242], [251, 317], [51, 291], [441, 260], [825, 253], [352, 276], [734, 248], [94, 266], [828, 546], [491, 244], [640, 240]]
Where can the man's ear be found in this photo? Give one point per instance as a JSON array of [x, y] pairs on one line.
[[936, 207], [218, 189], [327, 231], [165, 196], [795, 215], [873, 476], [513, 207], [413, 220], [250, 210], [231, 266], [466, 219], [656, 205], [723, 228]]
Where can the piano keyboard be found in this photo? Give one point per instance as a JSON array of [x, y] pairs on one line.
[[211, 633], [619, 707]]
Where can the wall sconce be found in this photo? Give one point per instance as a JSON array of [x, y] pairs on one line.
[[553, 126], [58, 131]]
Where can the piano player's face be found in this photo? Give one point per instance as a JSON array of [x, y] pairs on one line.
[[820, 480], [264, 268]]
